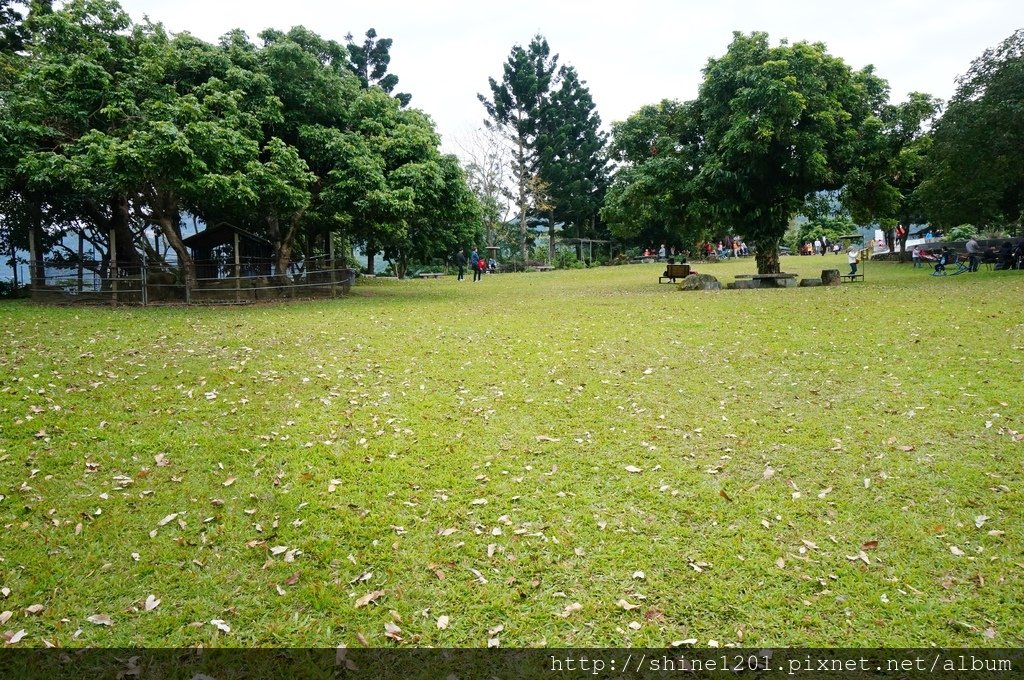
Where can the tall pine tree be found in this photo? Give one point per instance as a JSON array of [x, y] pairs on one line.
[[514, 108], [570, 154]]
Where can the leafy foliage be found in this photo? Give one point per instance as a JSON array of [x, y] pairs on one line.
[[976, 169], [110, 127]]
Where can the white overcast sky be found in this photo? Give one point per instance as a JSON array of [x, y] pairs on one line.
[[630, 53]]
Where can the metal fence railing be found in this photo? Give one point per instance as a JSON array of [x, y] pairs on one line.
[[151, 284]]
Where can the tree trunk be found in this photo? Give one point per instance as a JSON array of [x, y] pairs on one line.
[[522, 199], [14, 262], [371, 256], [127, 256], [767, 256]]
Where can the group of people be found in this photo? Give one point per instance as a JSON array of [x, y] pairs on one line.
[[1007, 256], [820, 246], [476, 262]]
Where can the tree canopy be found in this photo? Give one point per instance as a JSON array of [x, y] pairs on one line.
[[771, 125], [114, 127], [975, 167]]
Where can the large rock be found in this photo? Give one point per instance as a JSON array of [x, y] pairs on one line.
[[808, 283], [830, 277], [700, 282]]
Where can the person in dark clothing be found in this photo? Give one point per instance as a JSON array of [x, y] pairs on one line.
[[1005, 258], [460, 262], [474, 262]]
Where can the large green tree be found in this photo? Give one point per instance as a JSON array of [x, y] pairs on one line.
[[654, 196], [771, 125], [976, 163], [778, 122]]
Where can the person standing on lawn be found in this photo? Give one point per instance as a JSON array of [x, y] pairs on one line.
[[460, 262], [853, 257], [974, 253]]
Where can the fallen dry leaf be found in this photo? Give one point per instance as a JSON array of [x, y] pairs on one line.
[[392, 631], [151, 603], [980, 520], [292, 580], [634, 469], [956, 551], [14, 638], [34, 609], [869, 545], [229, 481], [100, 620], [639, 575], [545, 438], [723, 494], [167, 520], [442, 622], [221, 625], [5, 617], [626, 605], [571, 609], [368, 598], [780, 563]]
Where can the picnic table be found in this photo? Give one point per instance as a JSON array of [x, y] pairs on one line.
[[780, 280], [430, 275]]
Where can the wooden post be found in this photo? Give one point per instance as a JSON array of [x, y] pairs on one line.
[[238, 271], [330, 255], [81, 269], [33, 275], [113, 267]]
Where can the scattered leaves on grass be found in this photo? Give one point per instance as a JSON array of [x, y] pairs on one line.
[[368, 598]]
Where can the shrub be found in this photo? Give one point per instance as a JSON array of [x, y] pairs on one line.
[[961, 233]]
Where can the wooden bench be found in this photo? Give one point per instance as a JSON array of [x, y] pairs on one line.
[[430, 275], [677, 270], [544, 268], [851, 277]]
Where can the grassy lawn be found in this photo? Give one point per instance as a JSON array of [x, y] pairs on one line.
[[535, 453]]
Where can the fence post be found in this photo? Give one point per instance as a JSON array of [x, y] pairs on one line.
[[113, 267], [144, 282], [330, 251]]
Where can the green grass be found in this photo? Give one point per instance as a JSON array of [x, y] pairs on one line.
[[889, 406]]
